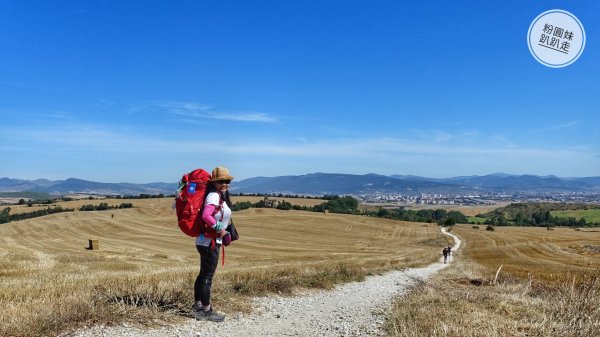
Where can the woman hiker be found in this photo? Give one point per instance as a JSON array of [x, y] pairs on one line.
[[446, 252], [217, 214]]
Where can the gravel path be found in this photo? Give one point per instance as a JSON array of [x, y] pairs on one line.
[[353, 309]]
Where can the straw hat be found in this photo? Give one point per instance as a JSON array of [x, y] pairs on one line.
[[220, 173]]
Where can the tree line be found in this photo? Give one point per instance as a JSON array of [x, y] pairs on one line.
[[142, 196], [104, 206], [346, 205], [440, 216], [349, 205], [537, 214], [281, 195], [6, 217]]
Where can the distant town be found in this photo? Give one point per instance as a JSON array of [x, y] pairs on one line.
[[486, 198]]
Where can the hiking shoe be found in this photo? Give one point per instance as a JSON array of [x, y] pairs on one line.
[[207, 315]]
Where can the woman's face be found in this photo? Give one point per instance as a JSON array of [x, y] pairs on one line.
[[222, 185]]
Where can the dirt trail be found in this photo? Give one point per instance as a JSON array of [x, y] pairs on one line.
[[353, 309]]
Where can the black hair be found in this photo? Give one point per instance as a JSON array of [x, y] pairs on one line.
[[211, 188]]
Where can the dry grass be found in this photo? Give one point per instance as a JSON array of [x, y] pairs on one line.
[[294, 201], [454, 304], [542, 290], [523, 251], [144, 272]]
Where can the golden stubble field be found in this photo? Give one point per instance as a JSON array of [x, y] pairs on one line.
[[549, 285], [468, 210], [76, 204], [146, 266], [536, 251]]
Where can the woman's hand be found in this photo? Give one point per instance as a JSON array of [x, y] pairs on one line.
[[222, 233], [219, 226]]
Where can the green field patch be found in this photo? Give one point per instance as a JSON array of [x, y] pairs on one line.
[[26, 195], [476, 219], [590, 215]]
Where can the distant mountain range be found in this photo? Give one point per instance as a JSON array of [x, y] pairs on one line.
[[326, 183], [72, 185], [331, 183]]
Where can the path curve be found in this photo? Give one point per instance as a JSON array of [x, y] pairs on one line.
[[352, 309], [455, 247]]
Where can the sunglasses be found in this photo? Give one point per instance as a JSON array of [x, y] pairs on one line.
[[223, 181]]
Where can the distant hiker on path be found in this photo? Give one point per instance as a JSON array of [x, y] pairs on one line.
[[217, 214], [446, 253]]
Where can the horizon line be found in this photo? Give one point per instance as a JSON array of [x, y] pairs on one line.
[[331, 173]]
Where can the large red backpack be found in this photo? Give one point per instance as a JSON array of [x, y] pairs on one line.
[[189, 201]]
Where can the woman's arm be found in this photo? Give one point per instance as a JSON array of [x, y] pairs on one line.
[[207, 214]]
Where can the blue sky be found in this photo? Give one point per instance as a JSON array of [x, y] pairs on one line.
[[143, 91]]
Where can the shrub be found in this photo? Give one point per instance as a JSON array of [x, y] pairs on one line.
[[239, 206], [284, 205], [449, 222], [490, 228]]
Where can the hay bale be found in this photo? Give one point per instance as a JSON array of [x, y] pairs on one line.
[[93, 245]]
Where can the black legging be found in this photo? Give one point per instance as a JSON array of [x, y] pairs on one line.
[[209, 259]]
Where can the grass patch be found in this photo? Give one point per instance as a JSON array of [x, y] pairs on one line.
[[476, 220], [461, 302], [286, 280], [590, 215]]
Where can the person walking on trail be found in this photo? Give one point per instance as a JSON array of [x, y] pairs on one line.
[[217, 214], [446, 253]]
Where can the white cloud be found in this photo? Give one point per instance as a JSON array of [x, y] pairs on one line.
[[200, 111], [370, 147], [184, 106], [109, 139], [278, 156], [568, 125]]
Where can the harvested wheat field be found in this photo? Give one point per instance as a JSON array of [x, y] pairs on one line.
[[549, 285], [309, 202], [76, 204], [468, 210], [536, 251], [145, 268]]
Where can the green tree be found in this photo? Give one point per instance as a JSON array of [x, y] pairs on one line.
[[383, 213], [5, 215], [520, 219], [284, 205], [440, 214], [449, 222], [238, 206], [458, 217], [347, 205]]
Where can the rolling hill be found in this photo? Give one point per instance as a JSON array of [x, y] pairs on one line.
[[327, 183]]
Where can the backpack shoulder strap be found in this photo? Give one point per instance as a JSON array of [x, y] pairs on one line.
[[220, 207]]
